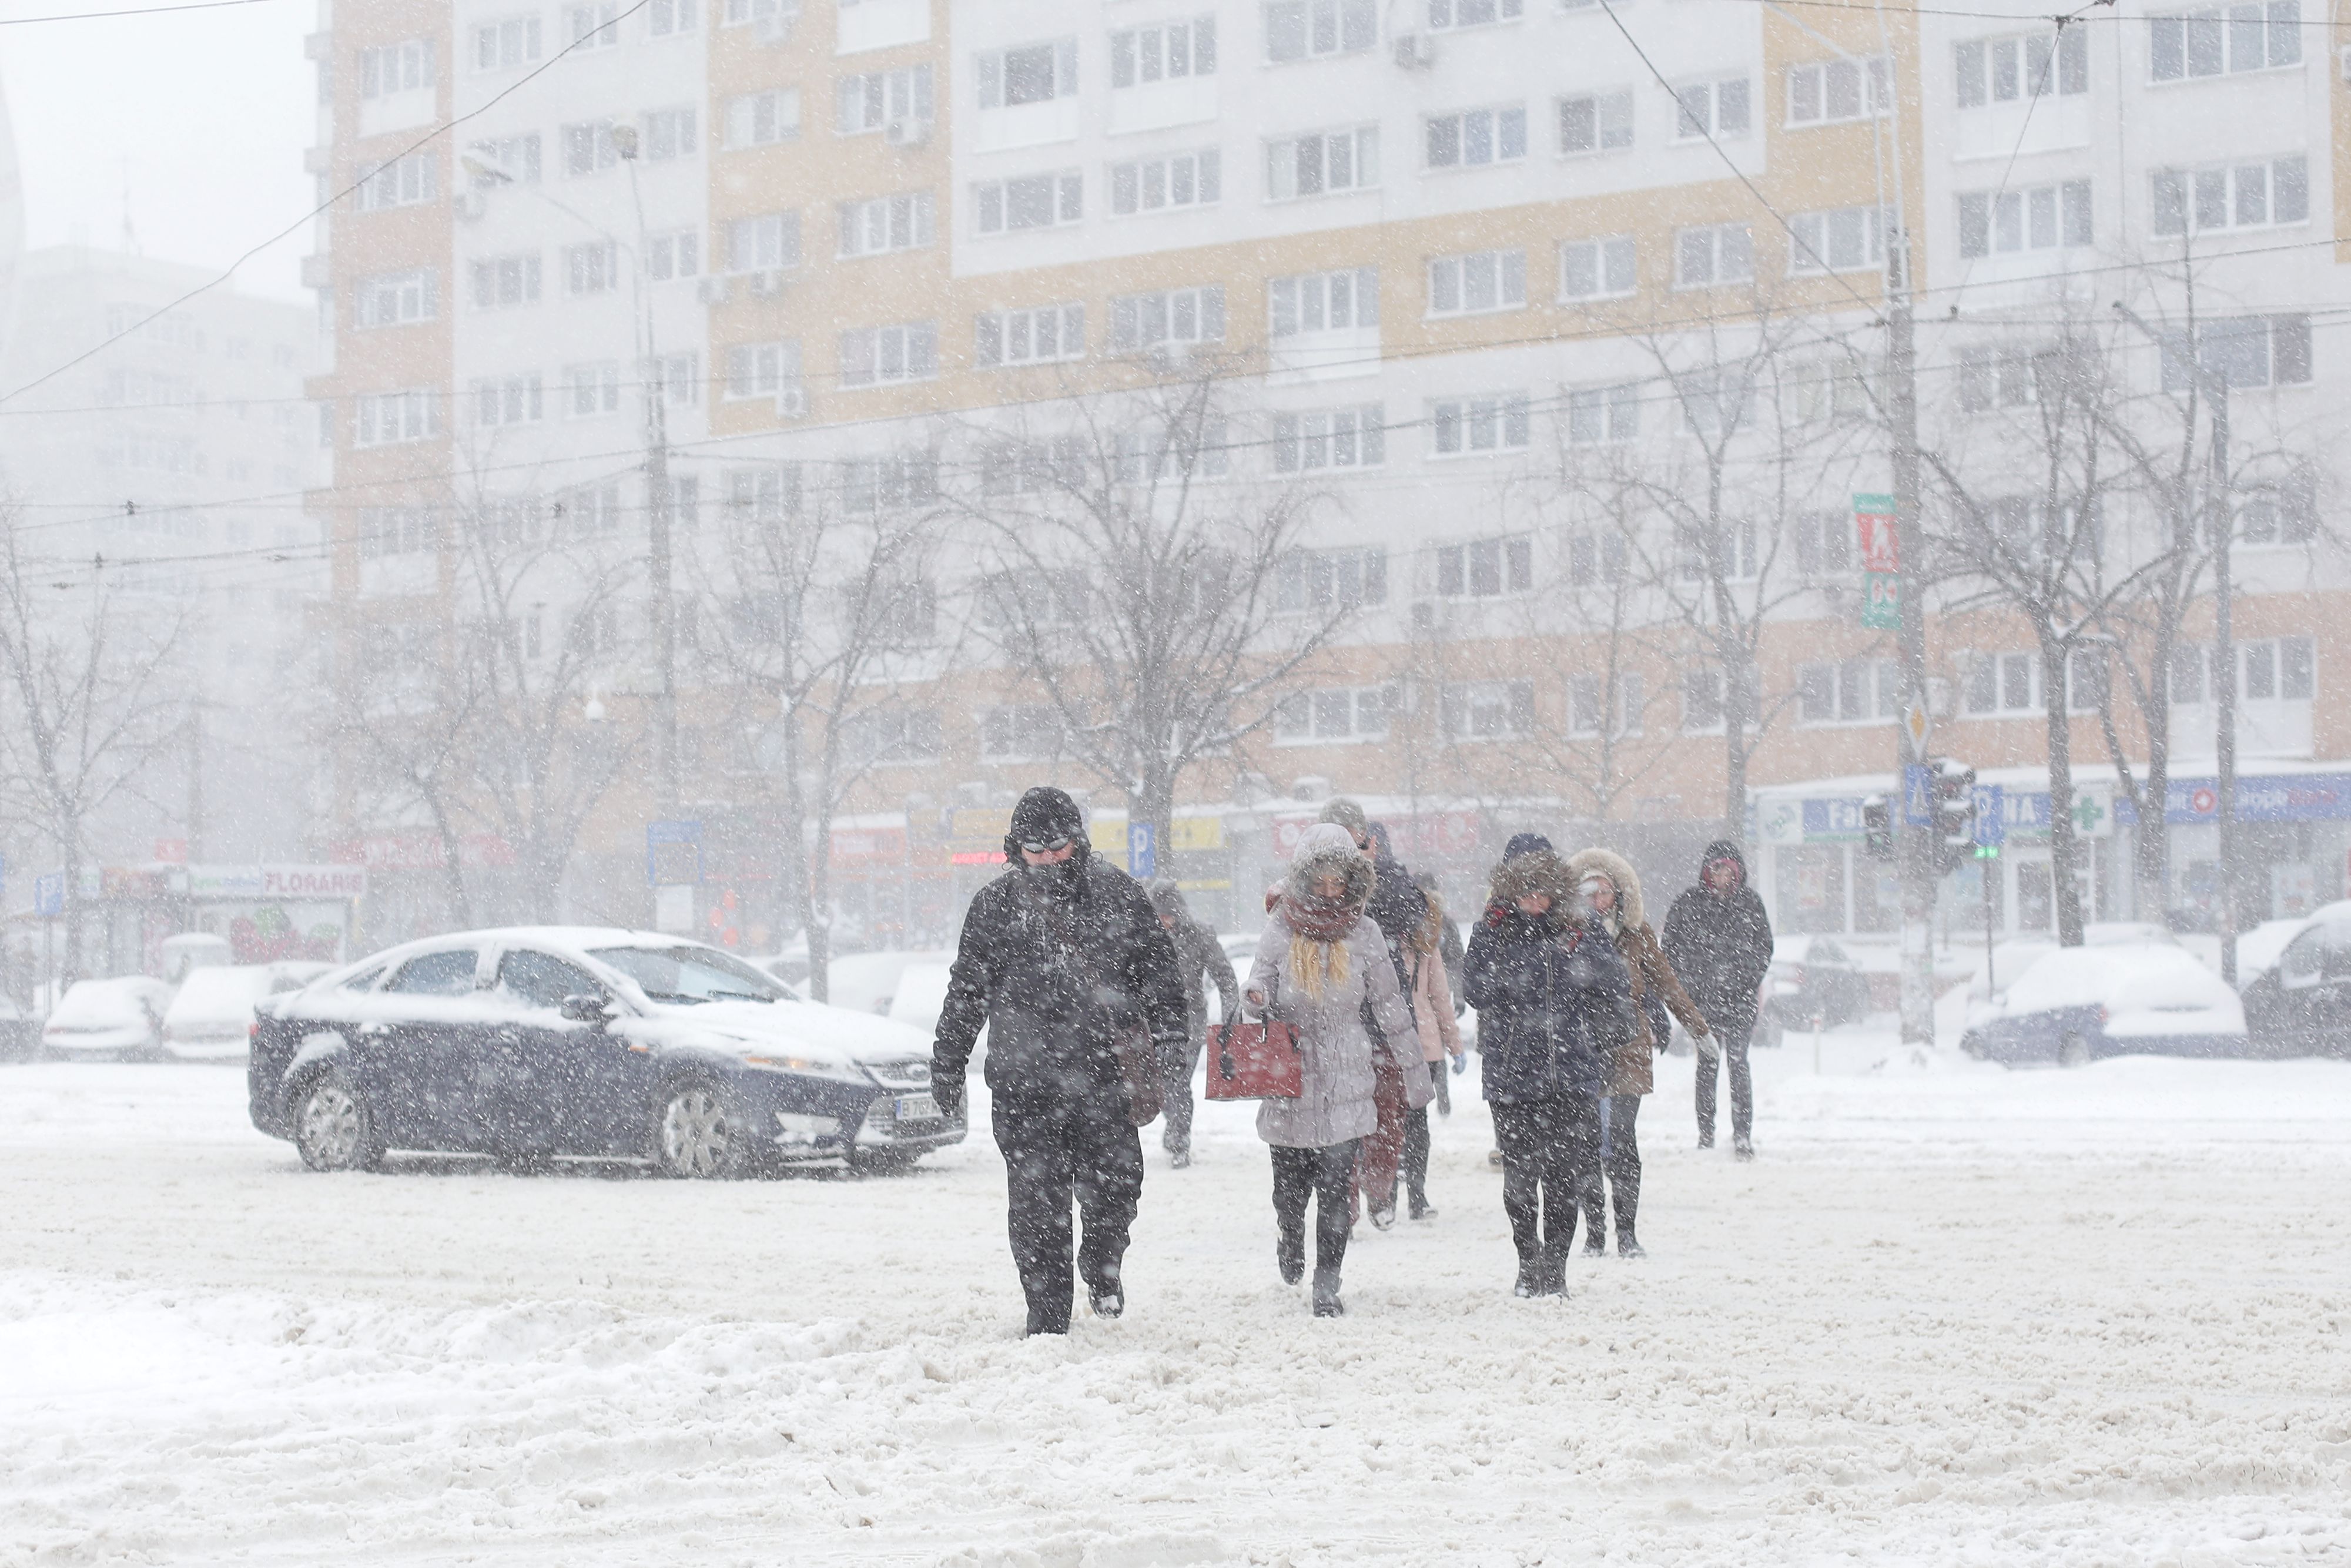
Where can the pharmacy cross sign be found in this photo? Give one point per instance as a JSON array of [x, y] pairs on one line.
[[2088, 814]]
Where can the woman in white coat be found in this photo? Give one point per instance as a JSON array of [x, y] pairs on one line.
[[1320, 960]]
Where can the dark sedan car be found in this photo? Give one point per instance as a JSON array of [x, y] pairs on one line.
[[2301, 1006], [526, 1043], [1809, 977]]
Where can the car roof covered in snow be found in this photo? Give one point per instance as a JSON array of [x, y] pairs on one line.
[[2120, 978]]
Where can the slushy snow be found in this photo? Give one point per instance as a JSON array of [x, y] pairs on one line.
[[1952, 1315]]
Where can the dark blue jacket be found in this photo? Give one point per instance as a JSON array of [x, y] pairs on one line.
[[1554, 1000]]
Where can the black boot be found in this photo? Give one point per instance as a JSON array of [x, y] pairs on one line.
[[1326, 1294], [1554, 1274], [1531, 1277], [1627, 1246], [1108, 1299], [1290, 1254]]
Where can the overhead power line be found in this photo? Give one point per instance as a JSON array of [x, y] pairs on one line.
[[135, 11]]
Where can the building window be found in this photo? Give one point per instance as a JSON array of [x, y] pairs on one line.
[[1716, 400], [1716, 110], [1150, 457], [671, 133], [1486, 568], [1824, 543], [508, 400], [765, 495], [2001, 683], [503, 282], [1993, 378], [1328, 582], [591, 390], [877, 99], [1831, 387], [1830, 93], [1497, 423], [1595, 123], [386, 418], [1033, 467], [2040, 217], [1332, 713], [1597, 415], [1598, 268], [1850, 691], [1849, 239], [885, 224], [1594, 558], [2022, 67], [1311, 30], [1330, 438], [1020, 733], [898, 734], [886, 356], [1029, 201], [762, 119], [1139, 321], [676, 379], [673, 18], [588, 149], [397, 299], [1487, 710], [2223, 39], [398, 530], [1716, 254], [1477, 284], [1705, 705], [2286, 513], [1155, 184], [592, 26], [1162, 52], [388, 68], [402, 183], [1029, 73], [2235, 196], [1040, 335], [506, 45], [516, 157], [1323, 162], [1475, 137], [1591, 707], [1447, 15], [768, 243], [2281, 669], [669, 257], [1324, 302], [2250, 352], [909, 479], [1729, 551], [592, 267], [762, 369]]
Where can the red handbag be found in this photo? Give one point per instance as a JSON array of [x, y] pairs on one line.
[[1255, 1060]]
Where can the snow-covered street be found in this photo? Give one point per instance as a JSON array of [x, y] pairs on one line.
[[1952, 1314]]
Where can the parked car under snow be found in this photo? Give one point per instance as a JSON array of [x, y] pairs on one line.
[[532, 1042], [117, 1018], [2073, 1005], [211, 1017]]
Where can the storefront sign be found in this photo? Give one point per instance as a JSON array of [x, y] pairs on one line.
[[1193, 833], [856, 847], [422, 852], [306, 883]]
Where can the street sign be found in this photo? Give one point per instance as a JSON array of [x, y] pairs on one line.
[[49, 895], [1991, 816], [1917, 794], [672, 854], [1142, 851], [1917, 728], [1881, 601], [1872, 519]]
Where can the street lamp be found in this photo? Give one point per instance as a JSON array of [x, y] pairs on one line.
[[658, 501]]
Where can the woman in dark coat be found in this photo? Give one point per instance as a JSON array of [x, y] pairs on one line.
[[1554, 1003]]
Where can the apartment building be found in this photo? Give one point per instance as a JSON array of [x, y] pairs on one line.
[[1492, 277]]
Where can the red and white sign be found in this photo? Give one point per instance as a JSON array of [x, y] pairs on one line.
[[1878, 550], [2203, 802]]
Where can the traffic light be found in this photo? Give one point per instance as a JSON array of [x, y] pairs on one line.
[[1955, 814], [1877, 828]]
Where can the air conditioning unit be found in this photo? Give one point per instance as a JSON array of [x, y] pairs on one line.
[[792, 402], [907, 132], [767, 284], [469, 205], [1416, 51], [712, 288]]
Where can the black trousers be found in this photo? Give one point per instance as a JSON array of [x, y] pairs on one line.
[[1416, 1143], [1742, 1084], [1176, 1068], [1056, 1150], [1620, 1163], [1549, 1147], [1328, 1175]]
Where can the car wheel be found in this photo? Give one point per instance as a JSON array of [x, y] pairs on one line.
[[334, 1126], [2073, 1051], [697, 1133]]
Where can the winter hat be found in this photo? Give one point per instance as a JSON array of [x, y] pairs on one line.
[[1537, 870], [1324, 838], [1043, 815], [1723, 850], [1346, 814], [1166, 897], [1525, 843]]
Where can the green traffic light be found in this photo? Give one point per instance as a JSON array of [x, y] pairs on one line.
[[1986, 851]]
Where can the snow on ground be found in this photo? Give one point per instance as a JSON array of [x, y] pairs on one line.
[[1952, 1315]]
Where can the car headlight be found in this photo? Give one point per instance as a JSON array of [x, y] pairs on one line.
[[813, 1067]]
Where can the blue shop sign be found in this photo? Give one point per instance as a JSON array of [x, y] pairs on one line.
[[1833, 820], [2270, 798]]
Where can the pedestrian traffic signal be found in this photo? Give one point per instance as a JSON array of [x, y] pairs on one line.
[[1877, 828], [1955, 814]]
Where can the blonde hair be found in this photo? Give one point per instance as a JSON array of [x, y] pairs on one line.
[[1314, 965]]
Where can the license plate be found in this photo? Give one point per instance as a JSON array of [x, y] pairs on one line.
[[918, 1108]]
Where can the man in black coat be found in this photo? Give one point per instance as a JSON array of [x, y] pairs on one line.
[[1061, 957], [1199, 961], [1719, 941]]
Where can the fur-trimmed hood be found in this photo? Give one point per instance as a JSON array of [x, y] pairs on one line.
[[1632, 913], [1348, 862], [1537, 870]]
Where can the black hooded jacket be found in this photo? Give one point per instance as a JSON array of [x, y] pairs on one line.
[[1718, 946], [1200, 959], [1054, 960], [1397, 908], [1554, 998]]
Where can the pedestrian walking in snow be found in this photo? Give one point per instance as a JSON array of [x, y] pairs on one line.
[[1200, 962], [1063, 960], [1554, 1002], [1321, 968], [1431, 991], [1397, 908], [1611, 890], [1448, 950], [1719, 940]]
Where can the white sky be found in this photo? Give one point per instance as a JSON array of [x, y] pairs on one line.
[[208, 111]]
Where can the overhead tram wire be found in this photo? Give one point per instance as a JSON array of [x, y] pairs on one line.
[[2012, 17], [135, 11], [295, 228]]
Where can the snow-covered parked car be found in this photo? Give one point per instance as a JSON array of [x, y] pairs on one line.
[[2075, 1005], [613, 1044], [2298, 1003], [118, 1018], [211, 1015]]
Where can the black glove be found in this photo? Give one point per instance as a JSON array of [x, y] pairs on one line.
[[950, 1098]]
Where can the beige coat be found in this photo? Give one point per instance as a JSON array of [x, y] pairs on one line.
[[1632, 1072], [1432, 1003]]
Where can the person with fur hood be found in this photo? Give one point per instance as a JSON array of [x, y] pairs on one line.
[[1554, 1003], [1322, 966], [1611, 890]]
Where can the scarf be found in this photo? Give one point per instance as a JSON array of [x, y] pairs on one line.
[[1319, 919]]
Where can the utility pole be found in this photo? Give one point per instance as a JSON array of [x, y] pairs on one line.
[[1915, 844], [659, 503]]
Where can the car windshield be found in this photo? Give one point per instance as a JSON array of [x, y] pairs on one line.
[[691, 975]]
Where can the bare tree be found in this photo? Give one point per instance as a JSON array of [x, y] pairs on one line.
[[94, 698]]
